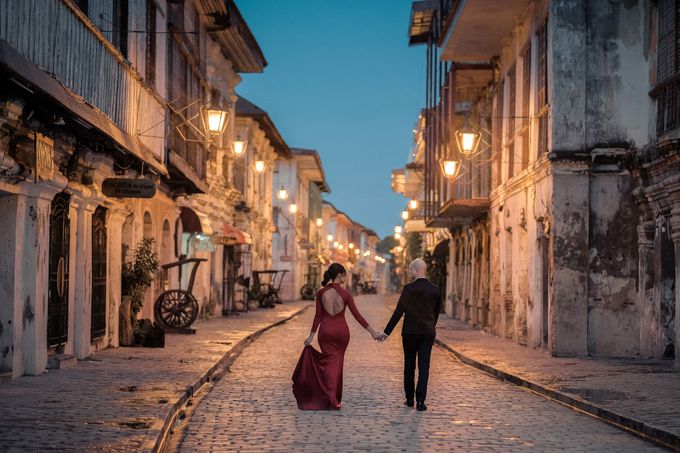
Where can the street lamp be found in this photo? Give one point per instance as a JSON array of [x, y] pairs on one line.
[[260, 165], [336, 244], [329, 238], [214, 118], [293, 208], [357, 251], [397, 229], [404, 215], [238, 146], [413, 205], [351, 245], [282, 193], [450, 167], [467, 138], [319, 222], [397, 235], [341, 246]]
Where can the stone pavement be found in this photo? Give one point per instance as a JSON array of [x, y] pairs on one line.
[[120, 398], [645, 391], [252, 409]]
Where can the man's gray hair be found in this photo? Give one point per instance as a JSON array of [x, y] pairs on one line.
[[418, 266]]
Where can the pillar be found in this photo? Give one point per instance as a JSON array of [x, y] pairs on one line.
[[82, 208], [114, 235], [672, 185], [648, 305]]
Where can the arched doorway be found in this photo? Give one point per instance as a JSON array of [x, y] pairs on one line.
[[58, 289], [99, 260]]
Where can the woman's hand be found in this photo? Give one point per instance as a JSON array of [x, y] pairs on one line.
[[309, 339]]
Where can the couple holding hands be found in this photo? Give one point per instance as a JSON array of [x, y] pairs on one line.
[[317, 379]]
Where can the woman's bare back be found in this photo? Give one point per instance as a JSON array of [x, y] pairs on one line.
[[332, 302]]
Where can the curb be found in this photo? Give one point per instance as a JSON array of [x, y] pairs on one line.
[[643, 430], [162, 429]]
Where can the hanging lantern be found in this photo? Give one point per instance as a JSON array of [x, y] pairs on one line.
[[293, 208], [413, 205], [450, 167], [260, 165], [351, 245], [397, 229], [319, 222], [404, 215], [214, 118], [467, 139], [397, 235], [282, 193], [239, 146]]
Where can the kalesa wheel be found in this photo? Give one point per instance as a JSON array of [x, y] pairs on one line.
[[176, 308]]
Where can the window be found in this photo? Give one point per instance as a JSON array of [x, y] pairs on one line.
[[120, 25], [498, 132], [526, 96], [512, 95], [150, 41], [667, 91], [542, 87]]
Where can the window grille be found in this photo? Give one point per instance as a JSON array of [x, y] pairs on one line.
[[512, 95], [667, 91], [542, 87]]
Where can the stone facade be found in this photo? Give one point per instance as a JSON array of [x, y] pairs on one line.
[[574, 252]]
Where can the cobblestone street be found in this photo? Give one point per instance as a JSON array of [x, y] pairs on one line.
[[252, 407]]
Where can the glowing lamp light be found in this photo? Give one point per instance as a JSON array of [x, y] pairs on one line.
[[214, 119], [357, 251], [404, 215], [282, 193], [293, 208], [351, 245], [336, 244], [467, 140], [413, 205], [397, 229], [450, 167], [341, 246], [329, 237], [260, 165], [238, 146], [397, 235], [367, 253], [319, 222], [400, 248]]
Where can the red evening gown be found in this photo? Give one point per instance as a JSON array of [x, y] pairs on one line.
[[317, 379]]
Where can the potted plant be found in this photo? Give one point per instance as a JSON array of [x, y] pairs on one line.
[[137, 276]]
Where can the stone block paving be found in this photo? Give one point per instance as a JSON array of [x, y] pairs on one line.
[[645, 390], [116, 400], [252, 407]]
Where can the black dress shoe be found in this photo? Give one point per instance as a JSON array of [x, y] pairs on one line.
[[408, 403], [420, 405]]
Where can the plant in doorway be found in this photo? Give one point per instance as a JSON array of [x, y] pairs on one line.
[[137, 276]]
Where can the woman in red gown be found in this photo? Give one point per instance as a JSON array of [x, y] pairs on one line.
[[317, 380]]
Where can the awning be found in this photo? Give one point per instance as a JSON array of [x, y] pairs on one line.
[[231, 235], [193, 222]]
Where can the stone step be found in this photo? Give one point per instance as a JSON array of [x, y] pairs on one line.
[[61, 361]]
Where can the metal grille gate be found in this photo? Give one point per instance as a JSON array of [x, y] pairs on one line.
[[57, 305], [98, 325]]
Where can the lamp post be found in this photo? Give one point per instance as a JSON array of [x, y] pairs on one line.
[[214, 118]]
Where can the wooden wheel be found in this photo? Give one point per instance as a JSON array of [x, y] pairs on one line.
[[176, 308]]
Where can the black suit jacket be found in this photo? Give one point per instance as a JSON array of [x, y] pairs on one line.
[[420, 303]]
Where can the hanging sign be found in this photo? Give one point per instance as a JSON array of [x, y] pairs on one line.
[[129, 188]]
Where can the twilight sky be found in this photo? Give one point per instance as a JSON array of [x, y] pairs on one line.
[[341, 79]]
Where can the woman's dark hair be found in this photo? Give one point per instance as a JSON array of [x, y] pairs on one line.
[[333, 271]]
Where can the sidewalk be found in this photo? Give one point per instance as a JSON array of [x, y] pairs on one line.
[[124, 399], [638, 395]]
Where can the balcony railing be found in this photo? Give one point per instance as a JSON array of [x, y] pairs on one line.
[[61, 40]]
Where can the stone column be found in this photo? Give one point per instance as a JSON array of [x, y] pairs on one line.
[[24, 268], [84, 206], [648, 306], [672, 185], [114, 253]]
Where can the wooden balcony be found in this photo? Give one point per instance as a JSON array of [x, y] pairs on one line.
[[70, 60]]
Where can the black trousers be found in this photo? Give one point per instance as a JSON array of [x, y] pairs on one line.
[[416, 347]]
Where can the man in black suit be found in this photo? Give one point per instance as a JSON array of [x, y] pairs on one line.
[[420, 304]]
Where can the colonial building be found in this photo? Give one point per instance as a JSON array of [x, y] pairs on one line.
[[117, 95], [547, 159], [297, 242]]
